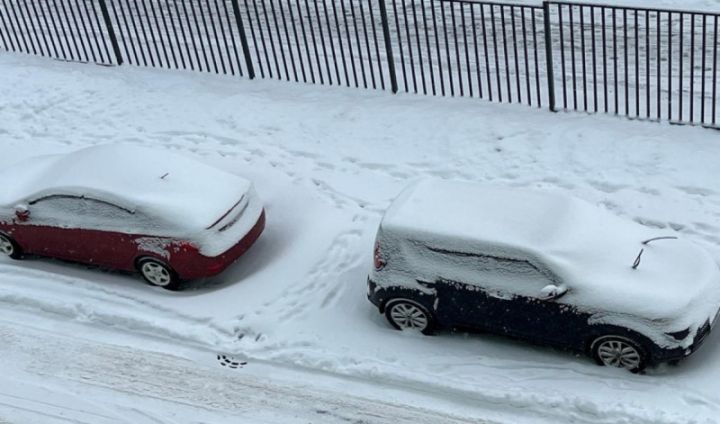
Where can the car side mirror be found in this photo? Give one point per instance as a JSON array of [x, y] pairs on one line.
[[22, 213], [552, 292]]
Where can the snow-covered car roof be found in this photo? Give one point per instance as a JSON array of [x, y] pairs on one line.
[[589, 248], [159, 183]]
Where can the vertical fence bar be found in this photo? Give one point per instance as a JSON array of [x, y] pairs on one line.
[[388, 46], [505, 54], [658, 67], [515, 54], [409, 45], [615, 74], [702, 87], [110, 31], [681, 61], [537, 62], [467, 50], [549, 56], [527, 58], [572, 57], [626, 63], [359, 46], [715, 67], [289, 43], [692, 66], [457, 50], [487, 56], [447, 49], [427, 46], [299, 48], [340, 44], [548, 39], [604, 60], [669, 116], [647, 64], [637, 68], [477, 55], [351, 57], [584, 62], [594, 59]]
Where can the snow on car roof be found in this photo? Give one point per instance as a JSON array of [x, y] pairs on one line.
[[491, 214], [160, 183]]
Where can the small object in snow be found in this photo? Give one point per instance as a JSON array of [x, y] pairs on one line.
[[542, 266], [104, 205], [230, 362]]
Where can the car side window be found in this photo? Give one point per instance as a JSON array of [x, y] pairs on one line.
[[85, 213], [498, 275]]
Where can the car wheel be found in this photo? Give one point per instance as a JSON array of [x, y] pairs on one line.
[[620, 352], [158, 274], [8, 247], [408, 315]]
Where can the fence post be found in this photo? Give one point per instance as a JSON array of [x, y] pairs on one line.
[[388, 46], [111, 32], [549, 56], [243, 40]]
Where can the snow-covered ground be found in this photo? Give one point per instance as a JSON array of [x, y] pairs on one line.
[[327, 162]]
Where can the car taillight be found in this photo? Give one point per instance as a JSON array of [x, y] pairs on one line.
[[377, 258]]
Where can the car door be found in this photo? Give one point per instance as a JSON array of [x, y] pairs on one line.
[[529, 314], [468, 293], [52, 228], [109, 233]]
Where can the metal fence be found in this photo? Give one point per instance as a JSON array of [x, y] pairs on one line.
[[642, 63]]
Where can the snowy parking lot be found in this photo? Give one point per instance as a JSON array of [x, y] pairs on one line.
[[327, 162]]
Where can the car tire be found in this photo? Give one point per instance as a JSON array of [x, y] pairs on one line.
[[407, 315], [619, 351], [10, 248], [159, 274]]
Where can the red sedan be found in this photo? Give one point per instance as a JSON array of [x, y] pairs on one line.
[[129, 208]]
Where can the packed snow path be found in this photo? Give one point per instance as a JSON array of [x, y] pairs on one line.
[[327, 162], [68, 379]]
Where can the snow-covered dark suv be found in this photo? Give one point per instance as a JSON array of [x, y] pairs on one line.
[[544, 267]]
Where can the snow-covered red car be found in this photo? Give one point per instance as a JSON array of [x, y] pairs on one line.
[[544, 267], [129, 208]]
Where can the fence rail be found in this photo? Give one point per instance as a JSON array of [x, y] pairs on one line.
[[643, 63]]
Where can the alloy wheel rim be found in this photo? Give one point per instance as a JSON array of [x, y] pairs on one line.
[[408, 316], [6, 247], [156, 273], [620, 354]]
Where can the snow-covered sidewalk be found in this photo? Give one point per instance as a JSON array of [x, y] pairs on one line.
[[327, 162]]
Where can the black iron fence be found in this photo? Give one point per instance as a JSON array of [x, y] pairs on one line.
[[643, 63]]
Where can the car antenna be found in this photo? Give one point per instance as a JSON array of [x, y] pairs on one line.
[[637, 260], [659, 238], [164, 175]]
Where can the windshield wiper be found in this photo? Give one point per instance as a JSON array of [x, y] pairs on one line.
[[659, 238], [636, 263]]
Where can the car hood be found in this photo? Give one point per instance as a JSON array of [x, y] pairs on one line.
[[676, 284]]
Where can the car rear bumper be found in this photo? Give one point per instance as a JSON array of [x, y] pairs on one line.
[[211, 266], [373, 294]]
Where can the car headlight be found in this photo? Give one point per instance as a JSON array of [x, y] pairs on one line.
[[679, 335]]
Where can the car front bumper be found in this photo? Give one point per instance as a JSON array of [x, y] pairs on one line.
[[667, 355]]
